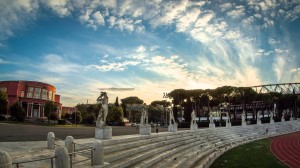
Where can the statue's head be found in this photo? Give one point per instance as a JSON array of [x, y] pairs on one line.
[[103, 97]]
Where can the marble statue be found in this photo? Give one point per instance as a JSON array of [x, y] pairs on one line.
[[244, 118], [271, 117], [144, 117], [258, 115], [193, 117], [227, 116], [171, 116], [103, 100], [211, 118], [282, 118], [145, 128]]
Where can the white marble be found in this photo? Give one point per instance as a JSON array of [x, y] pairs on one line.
[[50, 140], [172, 128], [5, 160], [62, 159], [104, 132], [103, 100], [212, 125], [194, 126], [69, 144], [145, 129], [98, 157]]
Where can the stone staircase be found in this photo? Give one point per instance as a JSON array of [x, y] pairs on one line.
[[185, 149]]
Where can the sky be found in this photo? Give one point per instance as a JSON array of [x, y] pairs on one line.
[[144, 48]]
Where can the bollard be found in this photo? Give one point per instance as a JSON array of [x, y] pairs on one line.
[[69, 144], [98, 156], [5, 160], [51, 140], [62, 159]]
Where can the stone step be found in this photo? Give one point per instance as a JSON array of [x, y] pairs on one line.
[[110, 157], [167, 154], [182, 159], [133, 159], [137, 143]]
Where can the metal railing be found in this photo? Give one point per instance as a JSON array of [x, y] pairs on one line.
[[87, 151], [35, 160]]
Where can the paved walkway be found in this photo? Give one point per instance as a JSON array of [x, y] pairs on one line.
[[287, 149]]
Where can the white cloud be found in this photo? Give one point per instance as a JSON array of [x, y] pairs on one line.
[[278, 67], [238, 12], [2, 61], [188, 19], [204, 20], [225, 6], [61, 7], [57, 64], [114, 66], [141, 49], [15, 15], [99, 20]]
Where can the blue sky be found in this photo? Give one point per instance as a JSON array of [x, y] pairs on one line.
[[144, 48]]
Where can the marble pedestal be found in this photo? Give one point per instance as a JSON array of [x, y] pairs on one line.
[[282, 120], [103, 132], [212, 125], [172, 128], [244, 123], [258, 122], [194, 126], [271, 121], [228, 124], [145, 129]]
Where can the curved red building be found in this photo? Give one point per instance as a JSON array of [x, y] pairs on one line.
[[32, 95]]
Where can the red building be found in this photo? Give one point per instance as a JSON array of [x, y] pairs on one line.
[[31, 95]]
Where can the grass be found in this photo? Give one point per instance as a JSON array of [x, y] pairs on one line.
[[256, 154]]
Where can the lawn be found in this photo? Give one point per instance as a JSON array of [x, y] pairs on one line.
[[254, 154]]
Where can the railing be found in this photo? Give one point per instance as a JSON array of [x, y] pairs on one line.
[[55, 139], [87, 151], [35, 160]]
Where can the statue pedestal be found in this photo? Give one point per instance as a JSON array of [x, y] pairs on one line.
[[244, 123], [103, 132], [194, 126], [145, 129], [172, 128], [282, 120], [258, 122], [212, 125], [271, 121], [228, 124]]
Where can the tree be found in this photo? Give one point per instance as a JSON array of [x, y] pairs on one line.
[[115, 113], [77, 117], [17, 112], [3, 103], [117, 102], [155, 114], [50, 107], [160, 105], [131, 103]]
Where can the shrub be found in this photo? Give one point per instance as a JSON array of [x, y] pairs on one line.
[[53, 116], [17, 112], [2, 118], [89, 118], [62, 122]]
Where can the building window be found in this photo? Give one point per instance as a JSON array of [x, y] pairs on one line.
[[50, 96], [29, 92], [3, 89], [44, 94], [37, 93]]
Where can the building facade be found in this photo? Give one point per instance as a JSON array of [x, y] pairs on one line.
[[32, 95]]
